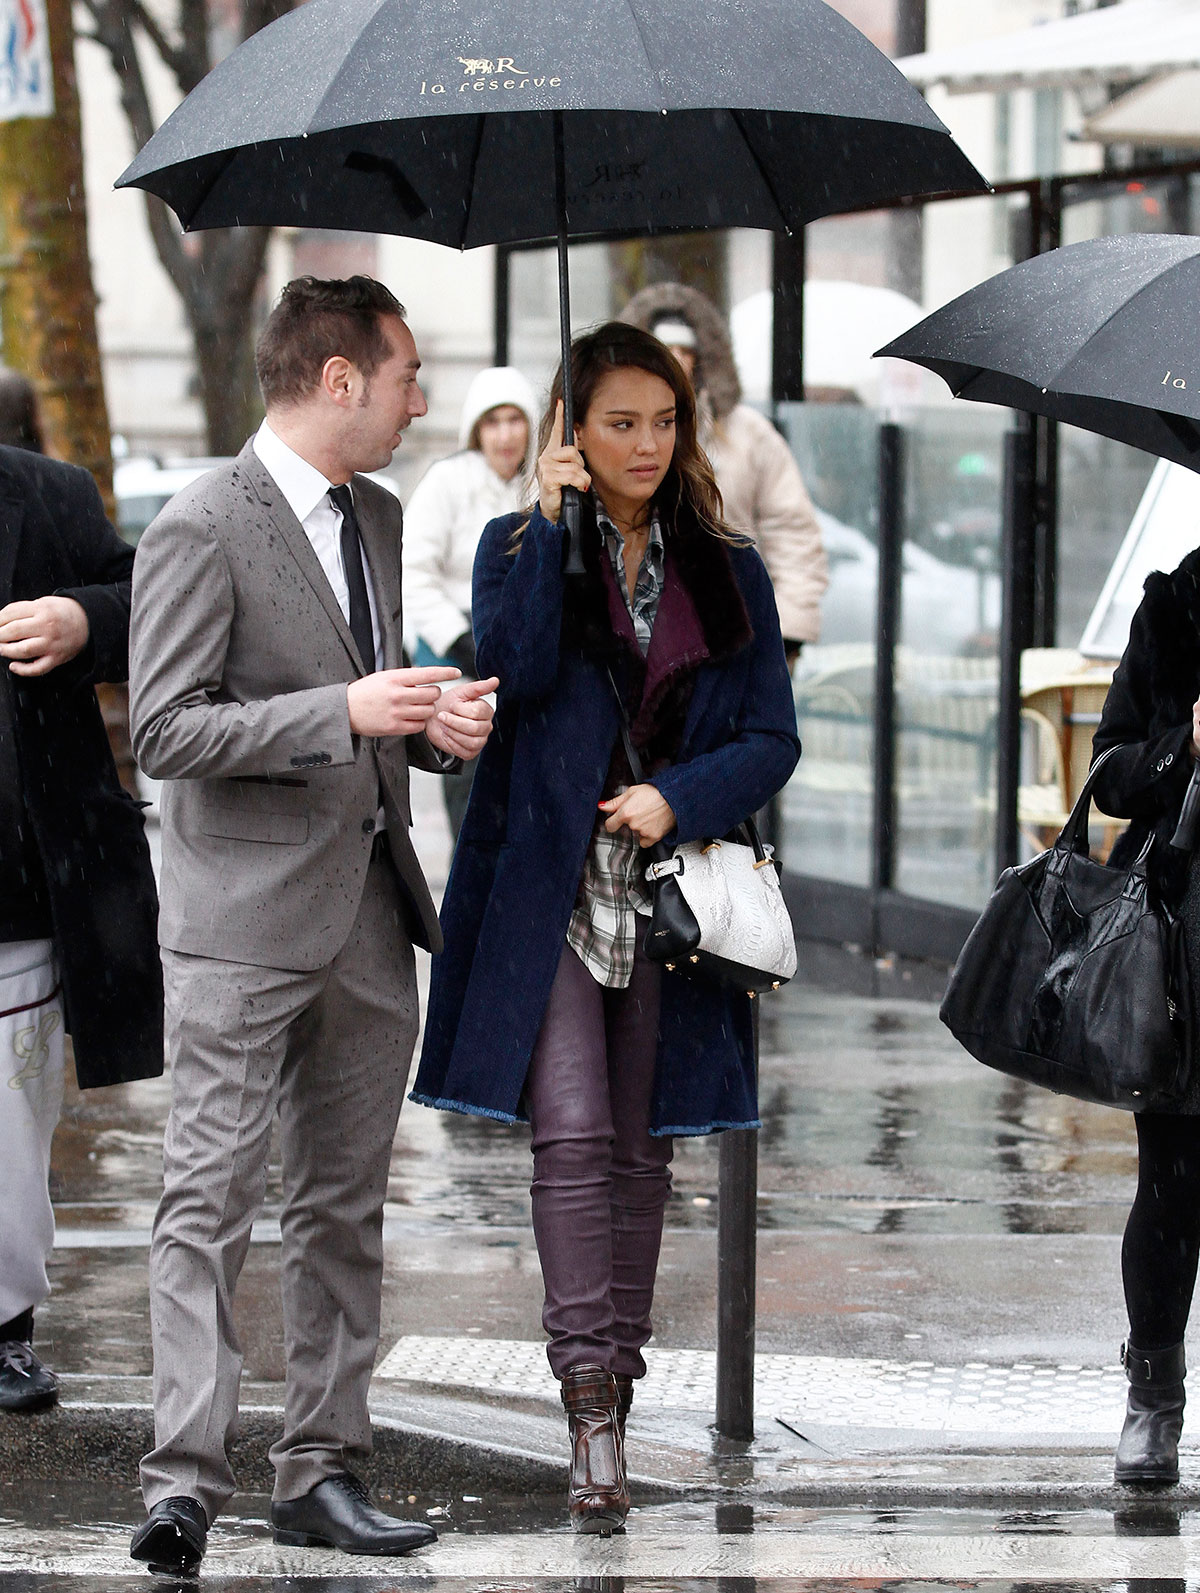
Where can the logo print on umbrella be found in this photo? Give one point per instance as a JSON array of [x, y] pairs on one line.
[[483, 67], [483, 72]]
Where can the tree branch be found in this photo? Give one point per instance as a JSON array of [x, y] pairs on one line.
[[218, 281], [173, 56], [257, 14]]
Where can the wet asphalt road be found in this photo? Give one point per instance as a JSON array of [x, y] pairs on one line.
[[513, 1546], [913, 1206]]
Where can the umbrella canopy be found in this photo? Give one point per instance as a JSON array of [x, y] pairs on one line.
[[431, 120], [1104, 335]]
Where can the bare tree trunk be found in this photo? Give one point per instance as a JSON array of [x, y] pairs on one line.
[[220, 304], [47, 302], [218, 279]]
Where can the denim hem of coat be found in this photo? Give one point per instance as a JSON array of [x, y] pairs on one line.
[[444, 1104], [695, 1129]]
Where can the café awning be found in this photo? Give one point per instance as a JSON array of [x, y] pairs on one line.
[[1163, 112], [1118, 44]]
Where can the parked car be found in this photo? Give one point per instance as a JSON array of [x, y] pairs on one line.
[[944, 608]]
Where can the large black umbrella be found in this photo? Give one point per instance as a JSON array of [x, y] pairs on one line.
[[430, 118], [1104, 334], [495, 121]]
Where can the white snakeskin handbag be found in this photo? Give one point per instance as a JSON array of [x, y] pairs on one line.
[[719, 913]]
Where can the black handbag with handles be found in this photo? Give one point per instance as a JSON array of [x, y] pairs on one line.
[[1075, 977]]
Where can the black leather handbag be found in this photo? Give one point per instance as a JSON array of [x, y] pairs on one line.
[[1075, 977]]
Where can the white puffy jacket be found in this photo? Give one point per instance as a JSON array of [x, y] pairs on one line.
[[447, 512]]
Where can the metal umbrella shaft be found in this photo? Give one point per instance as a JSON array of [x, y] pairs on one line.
[[571, 506]]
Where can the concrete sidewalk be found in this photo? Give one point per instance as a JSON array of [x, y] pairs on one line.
[[939, 1302]]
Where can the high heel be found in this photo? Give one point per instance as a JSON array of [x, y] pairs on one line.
[[1148, 1451], [598, 1497]]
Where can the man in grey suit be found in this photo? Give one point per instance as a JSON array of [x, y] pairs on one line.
[[265, 690]]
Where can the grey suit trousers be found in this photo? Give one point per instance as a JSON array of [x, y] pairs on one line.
[[329, 1050]]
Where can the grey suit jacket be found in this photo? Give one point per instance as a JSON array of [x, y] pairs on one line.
[[238, 667]]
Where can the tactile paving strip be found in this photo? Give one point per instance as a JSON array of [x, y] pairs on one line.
[[822, 1390]]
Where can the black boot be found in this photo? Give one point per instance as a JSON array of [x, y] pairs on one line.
[[1148, 1452]]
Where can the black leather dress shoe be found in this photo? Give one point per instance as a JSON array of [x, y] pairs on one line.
[[174, 1538], [338, 1514], [25, 1384]]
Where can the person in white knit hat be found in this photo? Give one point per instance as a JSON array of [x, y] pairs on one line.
[[444, 520]]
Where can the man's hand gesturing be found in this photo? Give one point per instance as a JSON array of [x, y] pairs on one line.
[[396, 702], [463, 720]]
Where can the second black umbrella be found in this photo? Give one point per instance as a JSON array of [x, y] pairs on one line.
[[1104, 335]]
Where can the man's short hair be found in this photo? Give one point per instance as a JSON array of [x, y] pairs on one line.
[[314, 321]]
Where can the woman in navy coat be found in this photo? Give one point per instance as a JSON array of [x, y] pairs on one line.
[[543, 1006]]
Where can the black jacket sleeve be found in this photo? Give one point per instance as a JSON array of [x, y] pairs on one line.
[[1147, 776], [104, 566]]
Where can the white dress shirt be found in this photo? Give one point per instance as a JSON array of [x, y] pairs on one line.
[[307, 493]]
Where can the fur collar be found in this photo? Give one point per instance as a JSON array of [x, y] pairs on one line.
[[705, 569], [702, 608], [1172, 607]]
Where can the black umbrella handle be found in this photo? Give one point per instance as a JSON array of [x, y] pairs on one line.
[[1185, 835], [572, 519]]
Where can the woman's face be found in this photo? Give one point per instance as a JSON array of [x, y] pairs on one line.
[[628, 436], [504, 439]]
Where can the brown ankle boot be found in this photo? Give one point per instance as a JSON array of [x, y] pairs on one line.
[[598, 1496], [624, 1399]]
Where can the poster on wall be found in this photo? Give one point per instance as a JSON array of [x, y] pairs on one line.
[[26, 79]]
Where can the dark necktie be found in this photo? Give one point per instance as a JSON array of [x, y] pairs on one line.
[[356, 581]]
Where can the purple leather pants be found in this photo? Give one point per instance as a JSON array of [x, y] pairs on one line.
[[600, 1182]]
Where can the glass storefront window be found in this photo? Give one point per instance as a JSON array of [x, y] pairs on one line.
[[826, 809], [1156, 204], [729, 267], [946, 661], [1100, 484], [534, 344], [947, 672]]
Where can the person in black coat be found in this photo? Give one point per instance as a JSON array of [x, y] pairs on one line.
[[1152, 718], [78, 909]]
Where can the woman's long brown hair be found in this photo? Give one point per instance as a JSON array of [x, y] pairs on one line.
[[689, 482]]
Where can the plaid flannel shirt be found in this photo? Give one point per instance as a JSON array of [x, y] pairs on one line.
[[603, 927]]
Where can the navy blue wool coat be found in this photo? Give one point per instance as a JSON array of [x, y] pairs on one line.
[[713, 717]]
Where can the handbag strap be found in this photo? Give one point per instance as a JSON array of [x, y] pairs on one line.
[[1074, 831], [660, 851], [631, 752]]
